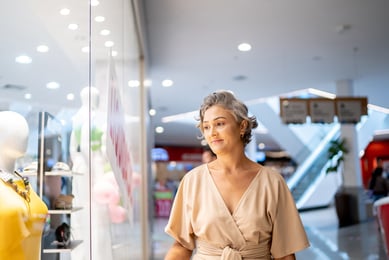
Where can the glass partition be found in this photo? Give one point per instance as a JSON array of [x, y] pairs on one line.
[[72, 70]]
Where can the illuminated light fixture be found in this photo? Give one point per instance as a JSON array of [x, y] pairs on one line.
[[261, 146], [159, 130], [183, 117], [133, 83], [244, 47], [64, 11], [42, 48], [27, 96], [73, 26], [321, 93], [94, 3], [52, 85], [152, 112], [105, 32], [109, 44], [147, 82], [114, 53], [167, 83], [378, 108], [85, 49], [70, 96], [23, 59], [99, 19]]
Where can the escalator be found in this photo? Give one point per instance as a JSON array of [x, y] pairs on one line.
[[310, 185], [311, 173]]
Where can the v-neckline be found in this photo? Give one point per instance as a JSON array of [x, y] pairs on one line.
[[241, 199]]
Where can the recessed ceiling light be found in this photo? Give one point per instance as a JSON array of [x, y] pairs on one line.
[[342, 28], [99, 19], [239, 78], [109, 44], [159, 129], [52, 85], [64, 11], [261, 146], [105, 32], [27, 96], [70, 96], [23, 59], [152, 112], [133, 83], [114, 53], [167, 83], [244, 47], [85, 49], [94, 3], [42, 48], [73, 26]]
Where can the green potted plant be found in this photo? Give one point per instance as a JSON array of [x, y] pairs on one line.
[[336, 153], [344, 202]]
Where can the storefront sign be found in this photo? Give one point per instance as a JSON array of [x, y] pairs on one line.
[[350, 110], [321, 110], [294, 110], [347, 109]]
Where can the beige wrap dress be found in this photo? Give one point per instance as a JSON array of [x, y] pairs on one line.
[[265, 223]]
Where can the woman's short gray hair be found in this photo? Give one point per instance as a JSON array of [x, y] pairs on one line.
[[227, 100]]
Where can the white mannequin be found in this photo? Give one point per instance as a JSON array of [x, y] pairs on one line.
[[87, 146], [13, 139], [22, 212]]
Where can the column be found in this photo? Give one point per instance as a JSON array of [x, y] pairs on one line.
[[352, 178]]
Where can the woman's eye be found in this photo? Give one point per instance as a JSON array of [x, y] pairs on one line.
[[206, 127], [220, 123]]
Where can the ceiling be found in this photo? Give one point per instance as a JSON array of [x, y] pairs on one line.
[[296, 45]]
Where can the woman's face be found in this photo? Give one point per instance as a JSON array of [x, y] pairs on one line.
[[220, 129]]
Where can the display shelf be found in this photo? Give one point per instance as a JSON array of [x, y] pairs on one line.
[[55, 249], [64, 211], [61, 173], [49, 144], [52, 173]]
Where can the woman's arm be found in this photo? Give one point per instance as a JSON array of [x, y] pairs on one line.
[[178, 252], [288, 257]]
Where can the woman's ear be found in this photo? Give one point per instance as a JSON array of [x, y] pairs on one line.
[[243, 125]]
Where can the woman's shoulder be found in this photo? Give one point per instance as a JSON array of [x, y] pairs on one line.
[[270, 175], [197, 172]]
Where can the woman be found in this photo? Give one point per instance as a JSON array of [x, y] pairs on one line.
[[378, 185], [233, 208]]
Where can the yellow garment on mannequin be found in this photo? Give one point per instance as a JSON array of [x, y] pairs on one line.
[[21, 223]]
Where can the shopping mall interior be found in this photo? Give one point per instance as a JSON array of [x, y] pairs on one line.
[[109, 94]]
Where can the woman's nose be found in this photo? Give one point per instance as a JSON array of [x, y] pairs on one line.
[[213, 131]]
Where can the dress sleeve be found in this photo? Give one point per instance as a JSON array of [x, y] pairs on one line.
[[179, 225], [288, 231]]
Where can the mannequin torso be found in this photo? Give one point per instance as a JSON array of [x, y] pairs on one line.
[[22, 212]]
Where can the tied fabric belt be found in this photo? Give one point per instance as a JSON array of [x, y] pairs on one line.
[[249, 251]]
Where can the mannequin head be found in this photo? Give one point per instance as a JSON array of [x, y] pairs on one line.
[[13, 138], [94, 95]]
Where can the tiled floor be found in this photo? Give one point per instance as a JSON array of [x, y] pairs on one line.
[[357, 242]]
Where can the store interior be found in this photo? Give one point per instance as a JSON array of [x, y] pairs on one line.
[[110, 91]]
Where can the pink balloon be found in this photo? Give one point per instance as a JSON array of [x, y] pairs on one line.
[[117, 213], [105, 193]]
